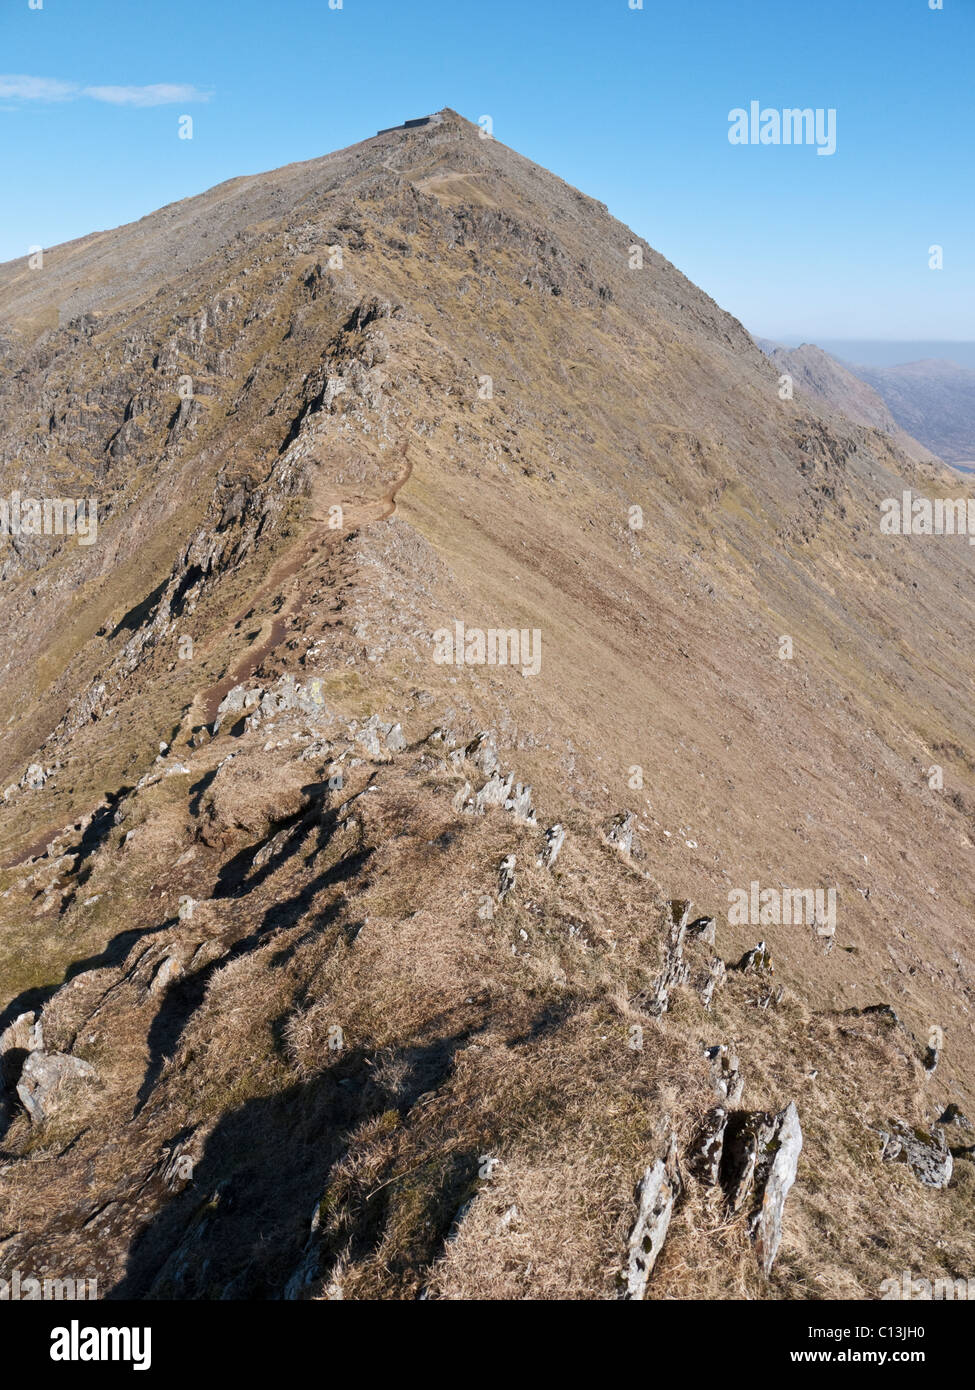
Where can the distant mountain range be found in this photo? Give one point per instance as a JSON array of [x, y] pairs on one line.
[[886, 352], [930, 403], [934, 401]]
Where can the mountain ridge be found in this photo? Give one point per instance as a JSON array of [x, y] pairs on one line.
[[483, 328]]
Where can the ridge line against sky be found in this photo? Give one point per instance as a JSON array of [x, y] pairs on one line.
[[631, 105]]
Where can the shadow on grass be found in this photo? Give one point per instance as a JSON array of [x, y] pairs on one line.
[[242, 1228]]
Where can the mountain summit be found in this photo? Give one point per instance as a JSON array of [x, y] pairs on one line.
[[465, 602]]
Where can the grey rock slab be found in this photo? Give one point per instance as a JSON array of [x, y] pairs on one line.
[[925, 1152], [48, 1082], [776, 1175], [656, 1193]]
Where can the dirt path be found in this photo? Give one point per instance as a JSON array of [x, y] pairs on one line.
[[272, 631], [271, 634]]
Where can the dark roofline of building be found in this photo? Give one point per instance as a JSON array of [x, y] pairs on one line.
[[411, 125]]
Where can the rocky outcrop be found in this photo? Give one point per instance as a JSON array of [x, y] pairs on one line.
[[482, 751], [702, 929], [757, 1168], [757, 961], [620, 832], [674, 969], [33, 780], [708, 979], [257, 704], [554, 840], [506, 877], [925, 1152], [494, 792], [236, 701], [707, 1147], [25, 1034], [380, 739], [775, 1173], [17, 1041], [49, 1083], [726, 1075], [519, 803], [170, 969], [656, 1194]]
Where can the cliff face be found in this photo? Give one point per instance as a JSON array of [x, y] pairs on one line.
[[834, 387], [298, 969]]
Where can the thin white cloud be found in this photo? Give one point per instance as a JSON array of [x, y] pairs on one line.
[[36, 88], [24, 88], [158, 94]]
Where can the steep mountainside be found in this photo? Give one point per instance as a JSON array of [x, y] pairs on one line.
[[305, 994]]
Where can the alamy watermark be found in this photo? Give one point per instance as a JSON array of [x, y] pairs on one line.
[[755, 906], [50, 516], [908, 515], [77, 1343], [793, 125], [907, 1286], [494, 646], [20, 1288]]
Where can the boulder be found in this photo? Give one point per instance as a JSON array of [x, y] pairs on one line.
[[926, 1153], [49, 1081]]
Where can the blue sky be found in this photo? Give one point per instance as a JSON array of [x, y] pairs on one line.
[[630, 105]]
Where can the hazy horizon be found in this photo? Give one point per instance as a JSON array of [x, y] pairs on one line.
[[884, 352]]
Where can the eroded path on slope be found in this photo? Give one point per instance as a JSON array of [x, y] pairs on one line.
[[355, 514]]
